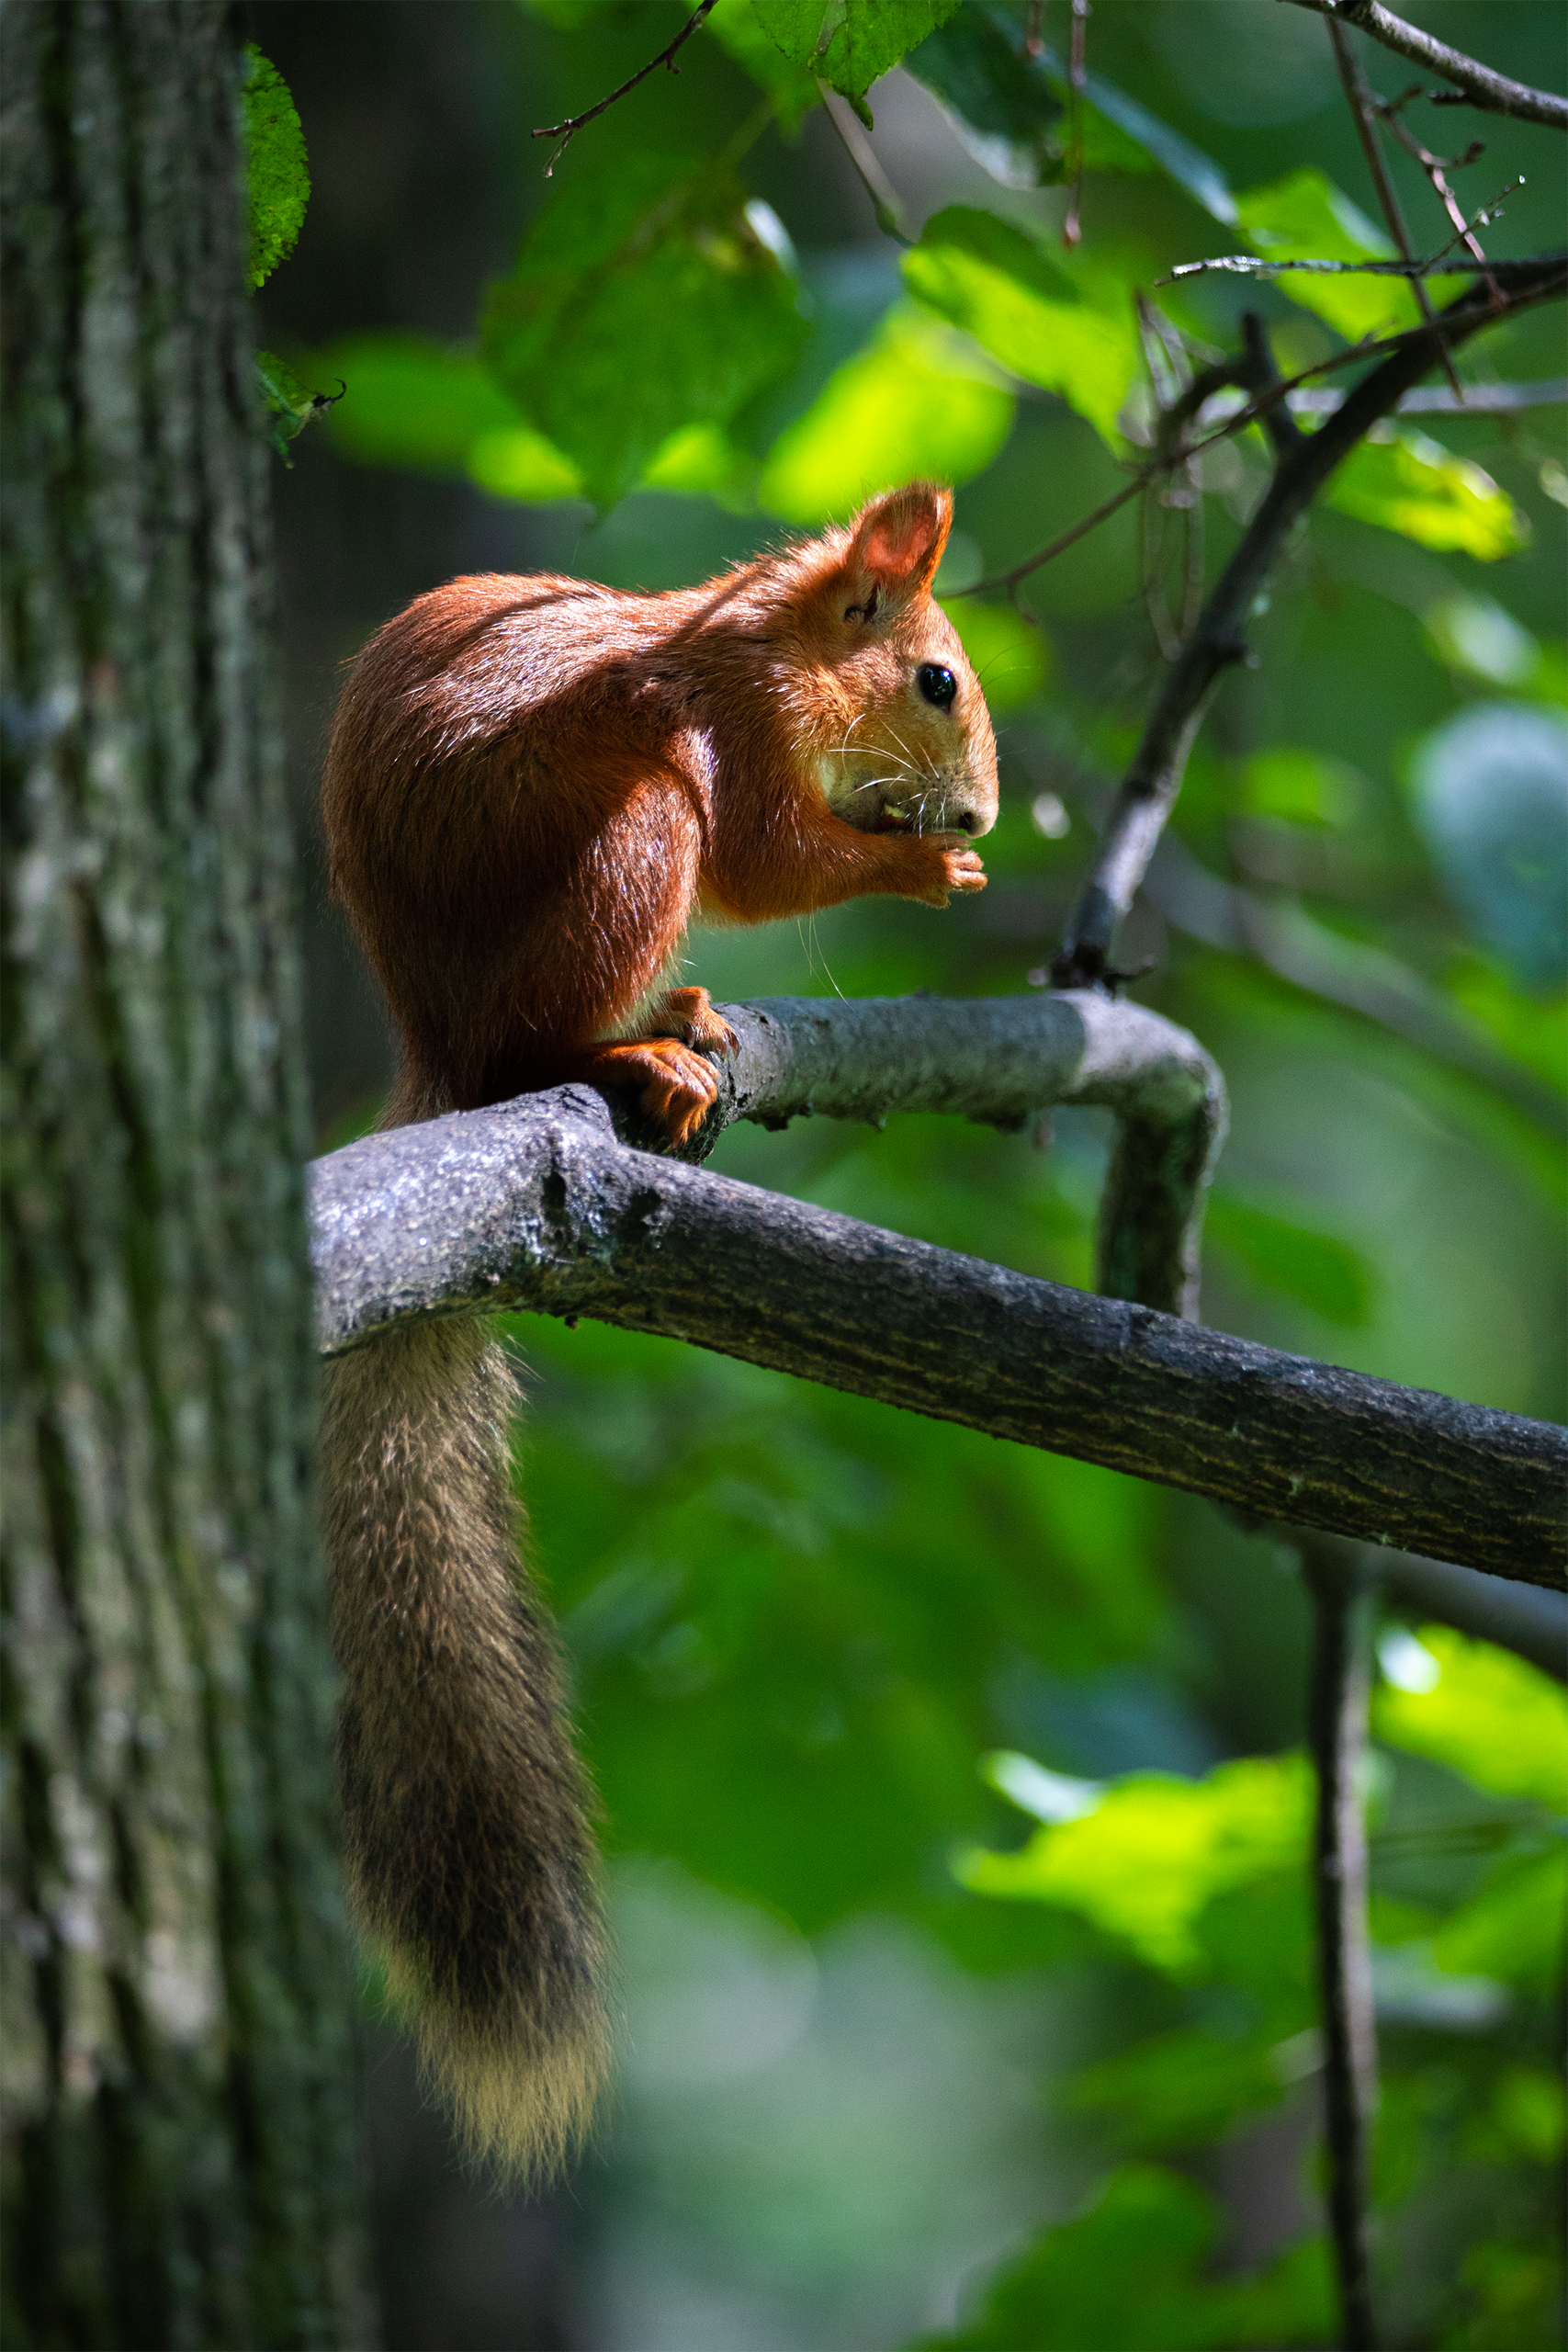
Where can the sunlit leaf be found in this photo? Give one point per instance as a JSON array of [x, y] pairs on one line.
[[1011, 658], [703, 461], [1007, 291], [1305, 217], [514, 461], [1407, 482], [410, 401], [277, 172], [645, 299], [1276, 1253], [1155, 1849], [1130, 2271], [917, 399], [1484, 1713], [850, 44]]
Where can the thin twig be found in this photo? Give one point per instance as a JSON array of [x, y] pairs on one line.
[[1072, 227], [884, 196], [1493, 93], [566, 132], [1506, 273], [1363, 110], [1337, 1731], [1480, 399], [1437, 167], [1149, 791]]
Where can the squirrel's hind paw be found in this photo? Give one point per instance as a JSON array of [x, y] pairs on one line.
[[688, 1013]]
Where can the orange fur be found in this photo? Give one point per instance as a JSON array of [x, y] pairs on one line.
[[534, 784], [532, 788]]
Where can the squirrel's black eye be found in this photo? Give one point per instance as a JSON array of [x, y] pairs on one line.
[[937, 685]]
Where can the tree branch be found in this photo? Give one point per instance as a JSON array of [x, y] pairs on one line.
[[1522, 274], [1149, 789], [566, 132], [1363, 109], [536, 1204], [1435, 399], [1337, 1734], [1492, 93], [1519, 1617]]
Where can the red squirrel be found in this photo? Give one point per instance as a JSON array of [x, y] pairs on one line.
[[532, 788]]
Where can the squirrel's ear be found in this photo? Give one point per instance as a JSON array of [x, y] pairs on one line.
[[896, 549]]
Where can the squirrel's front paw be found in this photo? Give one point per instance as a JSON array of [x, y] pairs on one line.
[[951, 865]]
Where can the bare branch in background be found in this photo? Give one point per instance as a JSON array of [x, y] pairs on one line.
[[1475, 84], [567, 131], [1364, 113], [1505, 272], [1337, 1735], [1149, 789], [1479, 399], [1347, 972], [1437, 168]]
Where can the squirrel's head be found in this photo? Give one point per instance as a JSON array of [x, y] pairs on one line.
[[903, 738]]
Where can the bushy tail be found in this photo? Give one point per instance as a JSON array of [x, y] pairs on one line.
[[471, 1863]]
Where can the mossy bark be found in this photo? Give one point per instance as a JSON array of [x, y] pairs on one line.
[[180, 2150]]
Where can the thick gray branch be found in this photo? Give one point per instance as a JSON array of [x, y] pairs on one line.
[[1492, 93], [536, 1204], [1000, 1061]]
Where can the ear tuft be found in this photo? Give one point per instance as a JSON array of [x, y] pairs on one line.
[[897, 546]]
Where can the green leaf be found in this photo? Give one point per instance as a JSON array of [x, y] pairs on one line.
[[1475, 636], [412, 402], [850, 44], [1007, 291], [1129, 2272], [1305, 217], [1301, 788], [1324, 1274], [648, 297], [289, 406], [1011, 658], [1013, 110], [1144, 1862], [277, 174], [1177, 2089], [1513, 1929], [918, 400], [1479, 1710], [793, 91], [1535, 1034], [1405, 482], [1003, 102]]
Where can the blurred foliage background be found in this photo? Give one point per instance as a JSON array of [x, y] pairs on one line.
[[954, 1794]]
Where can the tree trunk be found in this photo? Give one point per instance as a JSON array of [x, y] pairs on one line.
[[180, 2159]]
